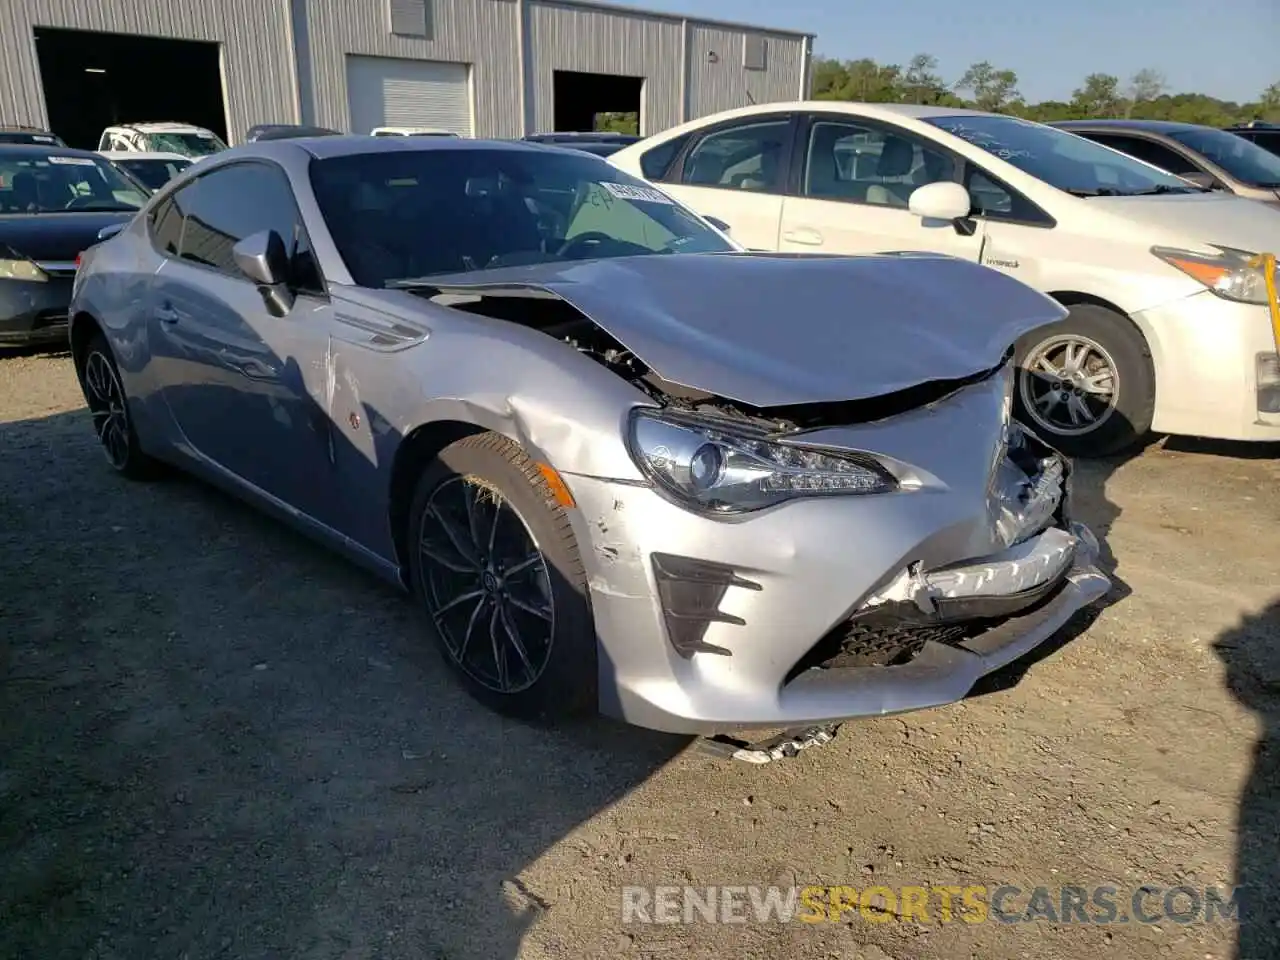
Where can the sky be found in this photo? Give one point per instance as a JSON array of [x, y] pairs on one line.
[[1233, 53]]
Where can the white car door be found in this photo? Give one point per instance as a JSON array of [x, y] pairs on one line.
[[851, 194], [737, 172]]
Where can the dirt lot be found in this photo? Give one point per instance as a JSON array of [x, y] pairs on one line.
[[218, 741]]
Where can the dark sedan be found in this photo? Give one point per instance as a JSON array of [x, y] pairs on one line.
[[54, 202], [1204, 155], [286, 131], [600, 143]]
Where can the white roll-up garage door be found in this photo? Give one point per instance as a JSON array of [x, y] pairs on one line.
[[392, 92]]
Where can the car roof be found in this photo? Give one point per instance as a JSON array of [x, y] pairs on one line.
[[601, 136], [141, 155], [1151, 126], [46, 150], [323, 148], [159, 127]]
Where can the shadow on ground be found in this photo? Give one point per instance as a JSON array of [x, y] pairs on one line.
[[1251, 653], [217, 739]]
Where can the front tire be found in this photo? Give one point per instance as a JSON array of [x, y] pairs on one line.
[[495, 566], [1085, 384], [112, 424]]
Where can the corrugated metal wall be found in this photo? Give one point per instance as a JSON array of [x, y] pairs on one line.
[[483, 33], [719, 81], [690, 69], [598, 41], [257, 70]]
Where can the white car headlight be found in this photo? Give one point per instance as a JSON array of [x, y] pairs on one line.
[[722, 467], [1231, 274]]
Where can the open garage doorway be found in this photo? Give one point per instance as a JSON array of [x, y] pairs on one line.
[[596, 101], [95, 80]]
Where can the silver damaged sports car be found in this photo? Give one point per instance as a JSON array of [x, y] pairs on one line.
[[620, 463]]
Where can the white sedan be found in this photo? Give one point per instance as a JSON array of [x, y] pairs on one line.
[[1172, 326]]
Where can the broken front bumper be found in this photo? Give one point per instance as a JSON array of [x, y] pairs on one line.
[[789, 643]]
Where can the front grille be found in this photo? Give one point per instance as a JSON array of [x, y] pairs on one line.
[[886, 640], [869, 644]]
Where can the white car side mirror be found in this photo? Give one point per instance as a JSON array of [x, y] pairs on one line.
[[946, 200]]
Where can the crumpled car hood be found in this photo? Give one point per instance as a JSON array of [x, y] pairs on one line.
[[772, 330]]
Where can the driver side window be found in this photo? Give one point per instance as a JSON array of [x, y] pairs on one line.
[[233, 202], [867, 164], [747, 157]]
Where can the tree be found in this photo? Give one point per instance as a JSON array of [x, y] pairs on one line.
[[921, 83], [992, 89], [1098, 97], [1145, 86], [1269, 102]]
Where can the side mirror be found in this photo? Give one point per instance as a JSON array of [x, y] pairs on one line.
[[717, 223], [945, 200], [263, 259]]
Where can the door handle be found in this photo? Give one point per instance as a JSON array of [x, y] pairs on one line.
[[167, 314], [805, 236]]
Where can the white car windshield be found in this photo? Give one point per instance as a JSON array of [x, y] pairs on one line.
[[38, 182], [400, 215], [187, 144], [1063, 160]]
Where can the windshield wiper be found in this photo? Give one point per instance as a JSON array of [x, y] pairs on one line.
[[1167, 188], [1096, 192]]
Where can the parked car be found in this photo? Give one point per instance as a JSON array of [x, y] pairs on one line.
[[286, 131], [601, 143], [618, 461], [152, 170], [1168, 326], [180, 138], [10, 133], [1204, 155], [54, 202], [410, 132], [1265, 135]]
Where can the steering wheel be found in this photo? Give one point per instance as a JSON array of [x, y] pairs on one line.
[[582, 240], [77, 202]]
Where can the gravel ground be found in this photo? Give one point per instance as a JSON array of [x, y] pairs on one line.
[[216, 740]]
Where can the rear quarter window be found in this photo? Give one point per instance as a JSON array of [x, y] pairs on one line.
[[655, 163]]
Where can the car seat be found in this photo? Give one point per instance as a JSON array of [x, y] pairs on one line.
[[897, 157]]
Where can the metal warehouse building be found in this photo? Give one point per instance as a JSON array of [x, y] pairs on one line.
[[487, 68]]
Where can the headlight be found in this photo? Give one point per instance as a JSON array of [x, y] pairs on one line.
[[14, 267], [727, 468], [1229, 274]]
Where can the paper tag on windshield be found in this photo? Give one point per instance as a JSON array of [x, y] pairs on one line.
[[72, 161], [624, 191], [204, 135]]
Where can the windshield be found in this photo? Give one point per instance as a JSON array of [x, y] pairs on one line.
[[1062, 159], [38, 182], [1241, 158], [153, 173], [408, 214], [188, 144]]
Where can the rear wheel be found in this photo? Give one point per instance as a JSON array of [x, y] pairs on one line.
[[1086, 384], [104, 393], [495, 565]]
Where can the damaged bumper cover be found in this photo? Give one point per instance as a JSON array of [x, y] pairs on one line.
[[844, 607]]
